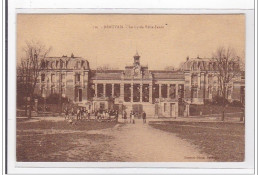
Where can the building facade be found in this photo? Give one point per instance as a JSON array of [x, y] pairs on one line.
[[160, 93]]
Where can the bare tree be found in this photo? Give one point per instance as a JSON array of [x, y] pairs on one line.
[[228, 67], [29, 70]]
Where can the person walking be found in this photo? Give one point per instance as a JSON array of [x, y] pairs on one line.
[[144, 117]]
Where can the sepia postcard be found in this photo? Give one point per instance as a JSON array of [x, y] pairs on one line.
[[130, 88]]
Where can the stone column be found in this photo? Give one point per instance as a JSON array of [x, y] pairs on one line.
[[150, 92], [202, 80], [81, 80], [206, 81], [160, 90], [96, 89], [113, 89], [198, 80], [132, 92], [87, 91], [168, 90], [141, 92], [188, 110], [104, 89], [177, 89]]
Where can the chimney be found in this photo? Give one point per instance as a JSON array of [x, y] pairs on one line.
[[187, 59]]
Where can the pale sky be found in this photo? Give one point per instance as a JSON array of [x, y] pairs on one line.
[[179, 36]]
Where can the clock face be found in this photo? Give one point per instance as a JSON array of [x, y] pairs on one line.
[[136, 71]]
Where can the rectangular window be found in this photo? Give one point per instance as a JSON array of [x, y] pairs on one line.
[[146, 92], [164, 107], [77, 77], [194, 80], [42, 77], [108, 90], [52, 78], [127, 92], [172, 91], [156, 91], [181, 91], [136, 92], [92, 92], [100, 89], [164, 91], [116, 90], [52, 90], [63, 77]]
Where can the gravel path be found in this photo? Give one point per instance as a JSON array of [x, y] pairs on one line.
[[141, 143]]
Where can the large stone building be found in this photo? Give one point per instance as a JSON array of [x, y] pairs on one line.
[[160, 93]]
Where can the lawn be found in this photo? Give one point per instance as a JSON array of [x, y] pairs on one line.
[[221, 141], [212, 109], [61, 141]]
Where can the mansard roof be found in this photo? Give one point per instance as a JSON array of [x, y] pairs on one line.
[[106, 74], [117, 74], [199, 64], [65, 62], [164, 74], [205, 64]]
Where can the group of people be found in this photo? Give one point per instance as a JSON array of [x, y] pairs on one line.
[[132, 116], [83, 113], [80, 112], [106, 114]]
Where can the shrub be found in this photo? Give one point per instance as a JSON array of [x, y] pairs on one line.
[[40, 98], [207, 102], [54, 99], [236, 103], [218, 100]]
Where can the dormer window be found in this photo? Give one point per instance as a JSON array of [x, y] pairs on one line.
[[194, 66], [78, 64]]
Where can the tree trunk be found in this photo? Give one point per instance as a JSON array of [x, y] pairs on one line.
[[223, 114], [30, 107], [223, 110], [242, 115], [26, 106]]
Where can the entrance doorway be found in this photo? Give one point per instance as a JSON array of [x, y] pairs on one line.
[[80, 95], [172, 110], [138, 109], [156, 109]]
